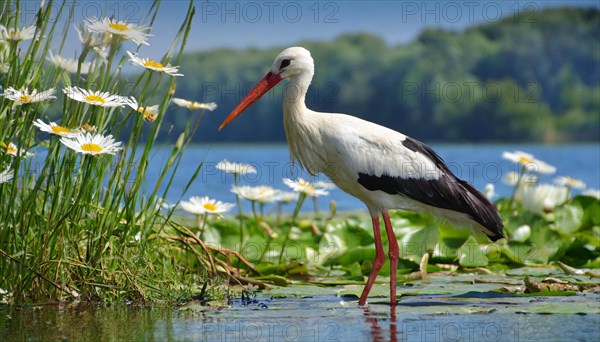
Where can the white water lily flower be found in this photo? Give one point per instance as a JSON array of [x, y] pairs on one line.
[[154, 65], [85, 143], [570, 182], [24, 97], [121, 29], [592, 193], [527, 161], [542, 197], [236, 168], [53, 128], [6, 176], [16, 34], [193, 105], [96, 98], [68, 64], [261, 193], [149, 112], [521, 234], [204, 205], [302, 186]]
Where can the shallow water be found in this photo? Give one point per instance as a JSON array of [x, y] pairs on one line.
[[314, 318]]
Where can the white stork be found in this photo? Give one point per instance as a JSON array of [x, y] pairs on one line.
[[381, 167]]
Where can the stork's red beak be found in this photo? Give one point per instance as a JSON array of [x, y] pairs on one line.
[[269, 81]]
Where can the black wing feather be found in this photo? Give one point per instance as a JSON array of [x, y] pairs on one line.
[[447, 192]]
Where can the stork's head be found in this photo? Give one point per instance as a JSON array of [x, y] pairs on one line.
[[290, 63]]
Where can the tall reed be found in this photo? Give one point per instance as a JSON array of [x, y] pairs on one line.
[[75, 225]]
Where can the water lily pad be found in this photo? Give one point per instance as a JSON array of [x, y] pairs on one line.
[[568, 219], [419, 242], [472, 254]]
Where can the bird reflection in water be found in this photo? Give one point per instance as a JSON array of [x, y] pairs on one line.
[[374, 319]]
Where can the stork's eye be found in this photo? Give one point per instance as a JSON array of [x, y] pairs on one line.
[[284, 63]]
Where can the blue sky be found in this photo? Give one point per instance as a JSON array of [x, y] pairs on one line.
[[244, 24]]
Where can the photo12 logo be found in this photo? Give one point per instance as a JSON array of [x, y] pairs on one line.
[[468, 11], [270, 12]]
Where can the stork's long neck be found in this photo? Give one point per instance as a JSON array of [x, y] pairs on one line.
[[294, 106], [299, 124]]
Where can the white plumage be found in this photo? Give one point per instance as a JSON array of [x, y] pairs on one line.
[[381, 167]]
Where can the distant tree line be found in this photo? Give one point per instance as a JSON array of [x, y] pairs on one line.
[[510, 81]]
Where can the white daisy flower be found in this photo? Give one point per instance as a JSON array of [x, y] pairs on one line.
[[86, 128], [6, 176], [542, 197], [17, 34], [324, 185], [96, 98], [511, 178], [11, 149], [154, 65], [302, 186], [149, 112], [592, 193], [162, 203], [237, 168], [91, 39], [286, 196], [121, 29], [261, 193], [53, 128], [194, 105], [69, 64], [86, 143], [570, 182], [99, 43], [4, 65], [204, 205], [527, 161], [489, 191], [24, 97]]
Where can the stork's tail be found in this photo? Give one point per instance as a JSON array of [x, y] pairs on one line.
[[482, 211]]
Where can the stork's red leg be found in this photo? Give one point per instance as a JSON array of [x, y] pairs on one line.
[[377, 263], [394, 254]]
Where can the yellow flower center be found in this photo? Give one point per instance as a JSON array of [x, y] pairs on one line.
[[118, 26], [86, 127], [148, 115], [25, 99], [153, 64], [307, 186], [209, 206], [11, 150], [60, 129], [91, 147], [95, 99], [524, 160]]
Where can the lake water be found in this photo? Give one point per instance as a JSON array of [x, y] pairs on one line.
[[312, 318], [478, 164]]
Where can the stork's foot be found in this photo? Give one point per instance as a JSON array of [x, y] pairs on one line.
[[377, 263]]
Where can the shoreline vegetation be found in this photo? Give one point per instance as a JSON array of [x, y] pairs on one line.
[[84, 230]]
